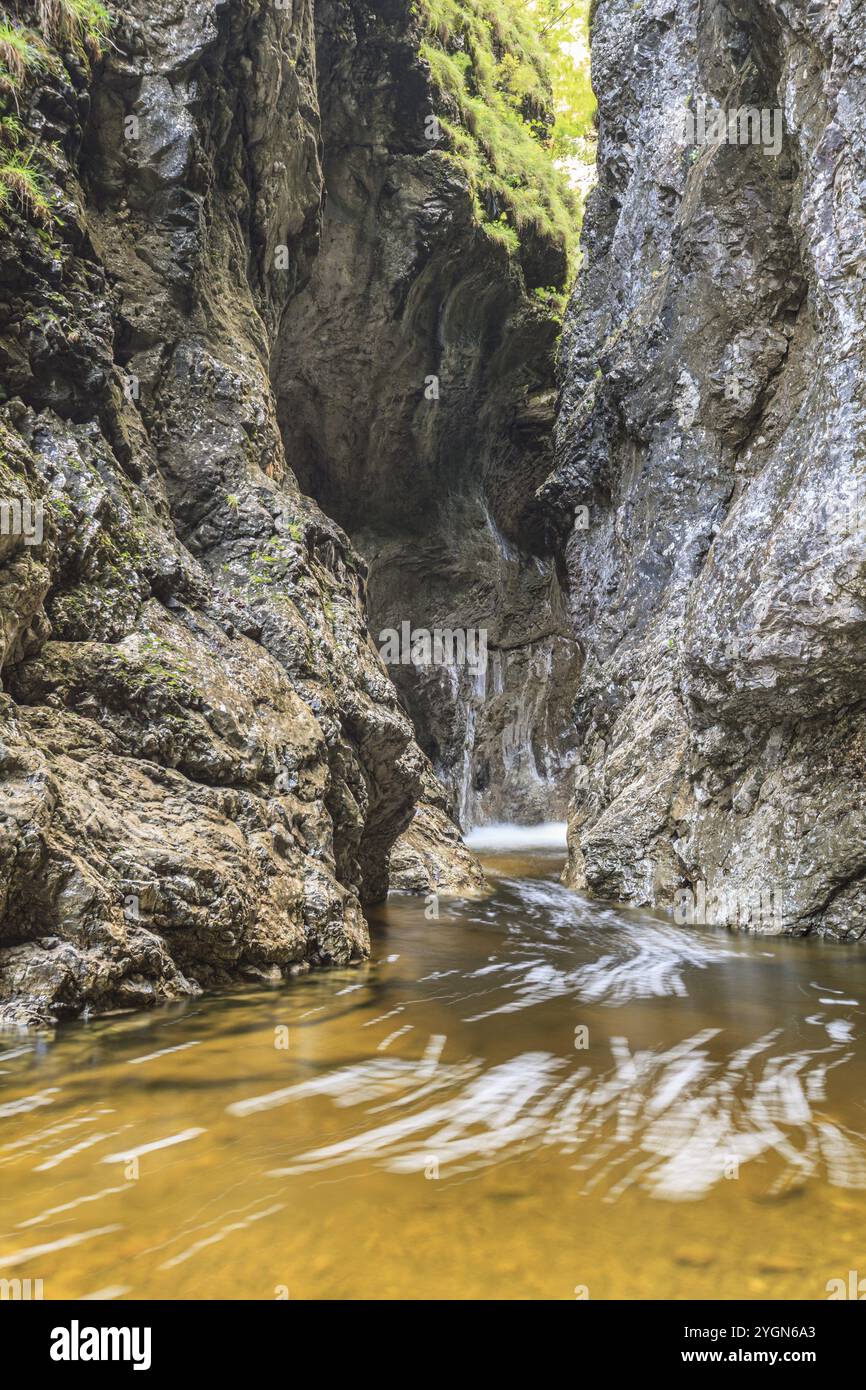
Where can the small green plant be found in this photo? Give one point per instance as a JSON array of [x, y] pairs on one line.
[[268, 565], [21, 180], [61, 506], [84, 22], [11, 132], [20, 51], [550, 296]]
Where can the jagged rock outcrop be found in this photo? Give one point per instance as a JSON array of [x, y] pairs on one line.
[[204, 763], [712, 420], [415, 386], [429, 857]]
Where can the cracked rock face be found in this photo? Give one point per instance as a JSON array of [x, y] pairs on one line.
[[712, 421], [205, 764]]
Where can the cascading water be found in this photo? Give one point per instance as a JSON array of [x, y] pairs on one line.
[[550, 835], [515, 759]]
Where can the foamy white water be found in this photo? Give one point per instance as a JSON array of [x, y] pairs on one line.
[[549, 835]]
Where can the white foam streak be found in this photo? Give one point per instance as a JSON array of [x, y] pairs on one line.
[[672, 1121]]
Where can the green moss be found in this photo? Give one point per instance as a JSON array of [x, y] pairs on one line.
[[270, 565], [165, 664], [487, 58]]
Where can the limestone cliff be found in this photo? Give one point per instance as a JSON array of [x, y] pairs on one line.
[[205, 765], [712, 422]]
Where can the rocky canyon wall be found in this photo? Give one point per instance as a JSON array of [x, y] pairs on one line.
[[712, 422], [415, 386], [205, 764]]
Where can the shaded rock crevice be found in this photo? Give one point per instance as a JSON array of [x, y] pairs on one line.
[[415, 388]]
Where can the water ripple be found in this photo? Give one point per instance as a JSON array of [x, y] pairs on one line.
[[676, 1120]]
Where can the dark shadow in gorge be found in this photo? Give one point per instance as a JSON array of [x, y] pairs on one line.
[[415, 383]]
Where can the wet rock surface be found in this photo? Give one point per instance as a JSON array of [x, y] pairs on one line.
[[205, 764], [711, 421], [430, 857]]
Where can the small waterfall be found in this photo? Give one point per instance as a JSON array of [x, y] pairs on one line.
[[510, 729], [466, 774], [550, 835]]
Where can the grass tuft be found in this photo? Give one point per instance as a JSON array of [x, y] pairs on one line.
[[11, 132], [20, 52], [488, 61], [21, 180], [77, 22]]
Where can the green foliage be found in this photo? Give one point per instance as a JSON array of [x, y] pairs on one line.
[[81, 24], [21, 180], [11, 132], [564, 34], [503, 77], [77, 22], [20, 53], [551, 297]]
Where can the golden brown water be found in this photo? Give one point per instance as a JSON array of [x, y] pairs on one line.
[[434, 1130]]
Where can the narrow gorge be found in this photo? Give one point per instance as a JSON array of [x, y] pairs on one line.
[[273, 379], [432, 726], [284, 372]]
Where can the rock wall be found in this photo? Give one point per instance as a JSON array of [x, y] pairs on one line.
[[416, 389], [205, 765], [712, 421]]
